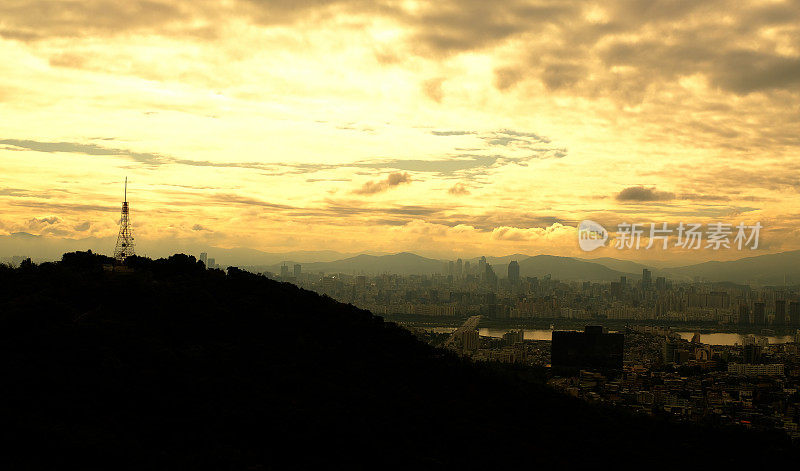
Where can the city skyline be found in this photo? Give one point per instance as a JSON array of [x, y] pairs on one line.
[[453, 129]]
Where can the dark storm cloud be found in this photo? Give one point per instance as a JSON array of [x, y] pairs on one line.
[[659, 39], [641, 194], [33, 20], [744, 71], [737, 70], [457, 26]]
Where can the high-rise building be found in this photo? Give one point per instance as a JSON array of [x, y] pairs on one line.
[[451, 268], [759, 316], [284, 271], [297, 270], [794, 314], [744, 315], [661, 283], [647, 279], [481, 266], [459, 268], [623, 280], [470, 340], [489, 275], [513, 272], [780, 313], [328, 284], [204, 258], [212, 263], [751, 353], [514, 337], [669, 351], [466, 269]]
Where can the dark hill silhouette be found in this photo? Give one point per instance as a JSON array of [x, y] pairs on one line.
[[172, 366]]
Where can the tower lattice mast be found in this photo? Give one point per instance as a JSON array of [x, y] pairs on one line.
[[125, 245]]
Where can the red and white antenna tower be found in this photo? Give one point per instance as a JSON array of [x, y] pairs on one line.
[[125, 244]]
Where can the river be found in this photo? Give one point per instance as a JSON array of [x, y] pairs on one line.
[[717, 338]]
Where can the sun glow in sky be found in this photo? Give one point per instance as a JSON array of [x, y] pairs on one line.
[[449, 128]]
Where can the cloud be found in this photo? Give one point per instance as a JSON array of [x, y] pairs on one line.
[[84, 226], [511, 141], [432, 88], [229, 198], [509, 138], [640, 194], [198, 227], [88, 149], [452, 133], [20, 193], [554, 232], [507, 77], [394, 179], [459, 189], [37, 20], [77, 207], [46, 221], [702, 197]]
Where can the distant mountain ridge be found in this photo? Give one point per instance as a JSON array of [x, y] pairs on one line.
[[403, 263], [567, 268], [762, 269], [768, 269]]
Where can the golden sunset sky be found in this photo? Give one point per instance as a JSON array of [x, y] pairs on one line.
[[447, 128]]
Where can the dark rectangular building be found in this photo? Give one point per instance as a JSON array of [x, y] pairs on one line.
[[744, 315], [780, 313], [794, 314], [759, 315], [647, 279], [588, 349]]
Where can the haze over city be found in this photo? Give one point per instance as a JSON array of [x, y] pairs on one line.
[[450, 129]]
